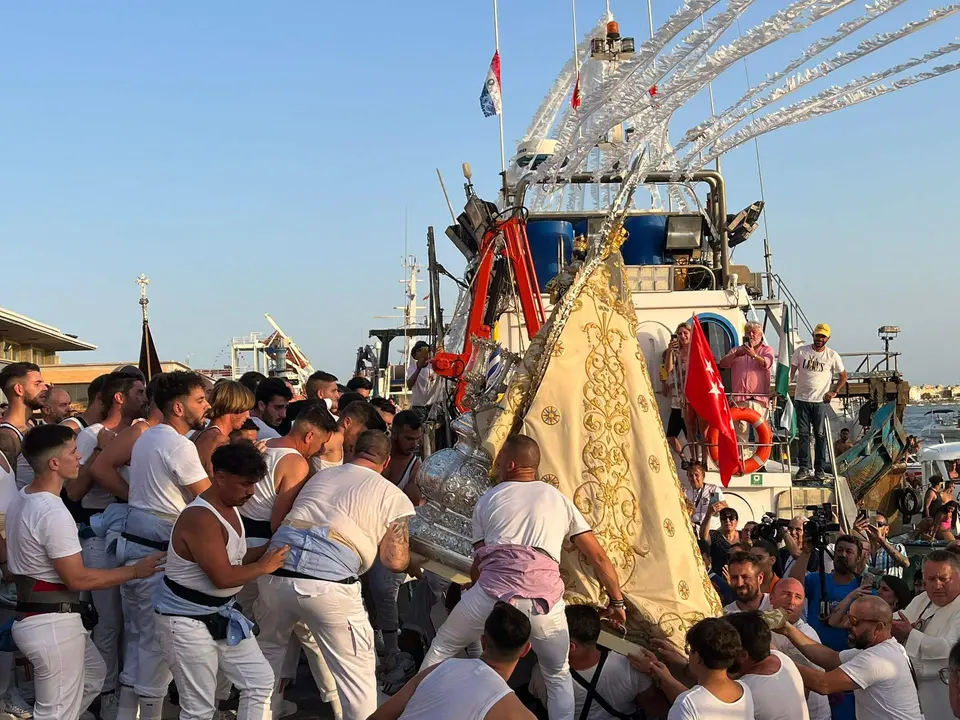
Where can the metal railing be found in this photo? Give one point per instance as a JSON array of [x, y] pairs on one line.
[[870, 362]]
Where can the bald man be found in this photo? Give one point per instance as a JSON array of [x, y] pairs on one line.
[[56, 408], [789, 596], [876, 667], [519, 526]]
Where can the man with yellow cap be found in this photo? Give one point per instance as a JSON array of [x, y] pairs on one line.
[[814, 367]]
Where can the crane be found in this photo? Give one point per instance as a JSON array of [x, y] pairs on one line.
[[285, 352]]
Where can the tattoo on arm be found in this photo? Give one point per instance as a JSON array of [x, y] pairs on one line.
[[395, 546], [10, 447]]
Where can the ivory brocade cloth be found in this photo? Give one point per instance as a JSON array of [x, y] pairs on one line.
[[585, 395]]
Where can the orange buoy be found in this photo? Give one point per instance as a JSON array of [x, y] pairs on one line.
[[764, 438]]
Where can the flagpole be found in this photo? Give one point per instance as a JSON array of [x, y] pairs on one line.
[[496, 40], [576, 49]]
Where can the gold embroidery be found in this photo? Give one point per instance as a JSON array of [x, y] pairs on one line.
[[551, 479], [669, 528], [550, 415], [653, 463], [557, 350], [643, 403], [684, 590]]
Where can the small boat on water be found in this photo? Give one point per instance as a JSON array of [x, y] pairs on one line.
[[942, 426]]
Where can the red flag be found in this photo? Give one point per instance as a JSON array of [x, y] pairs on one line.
[[653, 91], [704, 392], [575, 100]]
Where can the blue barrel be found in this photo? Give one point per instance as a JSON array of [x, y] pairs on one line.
[[646, 240], [550, 241]]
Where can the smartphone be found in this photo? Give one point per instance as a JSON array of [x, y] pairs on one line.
[[872, 517], [714, 497]]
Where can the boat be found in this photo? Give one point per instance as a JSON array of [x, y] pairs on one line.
[[573, 286], [943, 426]]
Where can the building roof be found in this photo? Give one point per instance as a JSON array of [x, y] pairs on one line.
[[21, 329], [84, 373]]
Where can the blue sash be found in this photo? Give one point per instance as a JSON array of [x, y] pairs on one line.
[[314, 553]]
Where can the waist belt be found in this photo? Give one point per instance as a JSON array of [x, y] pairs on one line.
[[39, 597], [38, 608], [257, 528], [155, 544], [196, 596], [283, 572]]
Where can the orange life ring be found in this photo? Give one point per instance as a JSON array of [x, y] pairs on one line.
[[764, 438]]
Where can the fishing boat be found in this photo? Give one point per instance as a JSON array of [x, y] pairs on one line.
[[942, 426], [574, 283]]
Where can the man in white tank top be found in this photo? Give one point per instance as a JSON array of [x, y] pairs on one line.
[[46, 561], [199, 628], [165, 474], [287, 459], [25, 390], [469, 689], [519, 527], [94, 412], [341, 520]]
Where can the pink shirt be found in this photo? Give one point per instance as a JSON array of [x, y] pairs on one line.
[[514, 571], [749, 379]]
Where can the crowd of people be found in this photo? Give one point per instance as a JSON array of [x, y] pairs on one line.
[[179, 543]]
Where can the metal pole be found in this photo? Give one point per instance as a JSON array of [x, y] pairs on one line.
[[649, 14], [453, 215], [496, 39]]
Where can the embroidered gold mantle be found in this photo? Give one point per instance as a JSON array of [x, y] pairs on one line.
[[585, 395]]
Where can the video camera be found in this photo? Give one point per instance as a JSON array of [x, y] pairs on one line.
[[820, 524], [771, 528]]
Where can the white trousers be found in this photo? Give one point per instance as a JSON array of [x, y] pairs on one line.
[[108, 634], [196, 657], [144, 668], [548, 635], [67, 668], [335, 615], [249, 600]]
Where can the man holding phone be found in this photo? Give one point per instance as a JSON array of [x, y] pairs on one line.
[[749, 366], [701, 495], [814, 367]]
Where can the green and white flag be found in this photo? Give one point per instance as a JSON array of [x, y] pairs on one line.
[[788, 419]]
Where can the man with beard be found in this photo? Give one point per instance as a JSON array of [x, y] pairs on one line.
[[26, 391], [746, 577], [165, 474], [789, 597], [875, 669], [200, 629], [929, 627], [124, 398], [56, 407], [814, 367]]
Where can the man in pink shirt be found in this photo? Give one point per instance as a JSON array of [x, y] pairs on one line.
[[749, 366]]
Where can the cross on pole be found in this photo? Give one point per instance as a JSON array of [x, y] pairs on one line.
[[143, 281]]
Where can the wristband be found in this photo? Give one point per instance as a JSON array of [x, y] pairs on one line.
[[618, 604]]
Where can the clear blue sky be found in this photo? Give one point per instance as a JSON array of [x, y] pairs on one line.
[[257, 157]]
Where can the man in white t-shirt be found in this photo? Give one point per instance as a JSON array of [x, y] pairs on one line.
[[700, 494], [772, 677], [165, 476], [342, 519], [124, 399], [470, 688], [789, 596], [877, 669], [422, 381], [814, 367], [619, 687], [519, 526], [45, 558], [746, 578]]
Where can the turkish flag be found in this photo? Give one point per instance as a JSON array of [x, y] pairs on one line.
[[705, 394]]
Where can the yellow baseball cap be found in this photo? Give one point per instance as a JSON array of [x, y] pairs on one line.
[[822, 329]]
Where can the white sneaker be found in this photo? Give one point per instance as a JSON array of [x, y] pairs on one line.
[[109, 706], [13, 704]]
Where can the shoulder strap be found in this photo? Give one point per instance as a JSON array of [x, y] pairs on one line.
[[593, 694]]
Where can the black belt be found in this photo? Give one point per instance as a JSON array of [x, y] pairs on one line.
[[195, 596], [155, 544], [39, 608], [283, 572], [257, 528]]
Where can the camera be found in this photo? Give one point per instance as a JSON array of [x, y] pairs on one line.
[[820, 524], [771, 528]]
